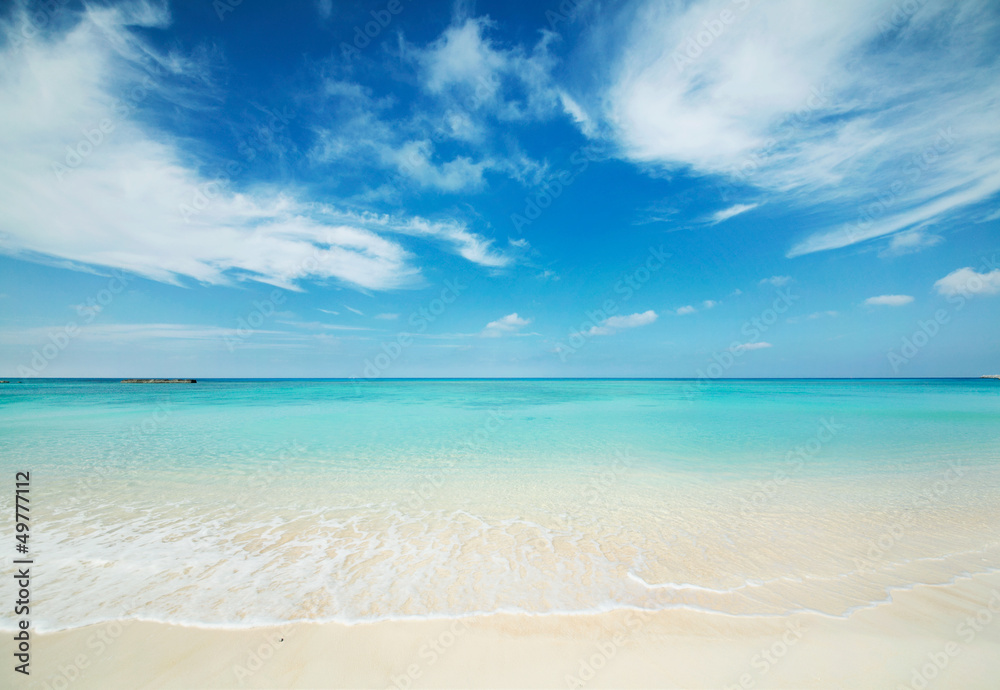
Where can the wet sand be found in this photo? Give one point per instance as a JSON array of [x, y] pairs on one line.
[[944, 636]]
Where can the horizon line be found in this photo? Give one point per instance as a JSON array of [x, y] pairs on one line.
[[512, 378]]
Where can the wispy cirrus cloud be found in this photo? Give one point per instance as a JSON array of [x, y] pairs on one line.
[[910, 242], [727, 213], [880, 117], [172, 336], [471, 86], [133, 332], [89, 181], [476, 73], [359, 132]]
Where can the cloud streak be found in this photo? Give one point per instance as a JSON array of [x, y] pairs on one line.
[[751, 346], [727, 213], [613, 324], [889, 301]]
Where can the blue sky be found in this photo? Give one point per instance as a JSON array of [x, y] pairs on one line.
[[393, 189]]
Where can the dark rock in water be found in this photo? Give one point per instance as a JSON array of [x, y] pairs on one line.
[[4, 381], [159, 380]]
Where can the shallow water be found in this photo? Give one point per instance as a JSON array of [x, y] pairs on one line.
[[249, 502]]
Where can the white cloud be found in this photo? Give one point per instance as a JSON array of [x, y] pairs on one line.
[[329, 311], [614, 324], [413, 159], [579, 116], [446, 140], [950, 195], [507, 325], [356, 311], [519, 166], [889, 300], [776, 281], [848, 104], [466, 244], [360, 131], [462, 56], [910, 242], [631, 321], [657, 212], [967, 282], [736, 293], [130, 198], [460, 126], [727, 213], [466, 66], [750, 346], [706, 304]]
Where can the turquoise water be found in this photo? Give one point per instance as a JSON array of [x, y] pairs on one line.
[[259, 501], [69, 425]]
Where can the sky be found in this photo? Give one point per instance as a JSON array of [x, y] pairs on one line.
[[706, 189]]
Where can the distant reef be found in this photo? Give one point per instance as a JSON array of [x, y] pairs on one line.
[[990, 376], [159, 380]]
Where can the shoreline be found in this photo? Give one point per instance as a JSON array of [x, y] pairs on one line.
[[617, 610], [923, 630]]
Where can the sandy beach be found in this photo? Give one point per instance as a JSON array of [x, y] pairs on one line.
[[930, 636]]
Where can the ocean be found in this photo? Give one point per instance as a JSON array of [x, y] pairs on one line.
[[248, 502]]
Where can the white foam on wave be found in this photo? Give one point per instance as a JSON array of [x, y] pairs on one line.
[[213, 567]]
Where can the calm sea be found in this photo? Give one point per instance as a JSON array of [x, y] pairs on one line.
[[241, 502]]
